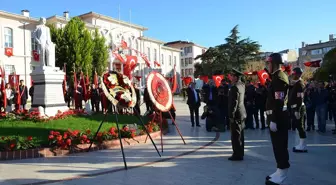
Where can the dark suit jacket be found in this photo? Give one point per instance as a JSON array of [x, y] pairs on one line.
[[236, 102], [137, 92], [24, 94], [191, 98]]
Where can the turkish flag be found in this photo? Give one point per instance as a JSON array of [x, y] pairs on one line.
[[131, 62], [204, 78], [187, 80], [36, 56], [14, 80], [123, 44], [9, 52], [144, 57], [316, 63], [287, 69], [263, 76], [156, 63], [217, 79], [3, 91], [119, 57], [95, 79]]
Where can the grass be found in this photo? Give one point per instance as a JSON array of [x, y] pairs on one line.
[[40, 130]]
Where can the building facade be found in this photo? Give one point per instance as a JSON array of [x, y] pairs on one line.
[[16, 34], [189, 51], [289, 55], [316, 51]]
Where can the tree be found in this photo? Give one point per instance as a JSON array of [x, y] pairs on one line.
[[328, 66], [78, 45], [100, 53], [308, 73], [232, 54], [58, 39]]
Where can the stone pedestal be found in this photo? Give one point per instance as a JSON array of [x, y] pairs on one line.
[[48, 90]]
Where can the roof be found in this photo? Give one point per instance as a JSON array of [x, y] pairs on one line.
[[170, 48], [151, 40], [183, 42], [107, 18], [331, 42], [64, 20], [19, 16]]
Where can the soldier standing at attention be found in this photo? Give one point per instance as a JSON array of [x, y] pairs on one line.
[[295, 101], [237, 116], [278, 117]]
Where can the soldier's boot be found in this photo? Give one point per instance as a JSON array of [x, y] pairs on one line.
[[278, 178], [301, 147], [273, 174]]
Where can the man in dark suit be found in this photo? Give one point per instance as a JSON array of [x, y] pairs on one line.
[[194, 102], [23, 94], [138, 98], [237, 115]]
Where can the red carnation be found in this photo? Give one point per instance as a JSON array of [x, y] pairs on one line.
[[68, 142], [51, 137], [29, 138]]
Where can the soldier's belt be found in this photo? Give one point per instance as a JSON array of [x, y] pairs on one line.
[[269, 112], [295, 105]]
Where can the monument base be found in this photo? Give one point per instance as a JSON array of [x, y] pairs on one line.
[[48, 96]]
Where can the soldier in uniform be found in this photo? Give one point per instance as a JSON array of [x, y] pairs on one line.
[[295, 101], [278, 117], [237, 115]]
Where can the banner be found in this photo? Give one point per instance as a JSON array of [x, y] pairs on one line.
[[217, 79]]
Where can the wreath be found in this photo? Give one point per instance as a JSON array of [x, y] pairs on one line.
[[118, 89]]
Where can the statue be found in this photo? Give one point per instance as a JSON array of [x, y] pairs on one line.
[[45, 46]]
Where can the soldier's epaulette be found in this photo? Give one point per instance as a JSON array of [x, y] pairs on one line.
[[283, 76]]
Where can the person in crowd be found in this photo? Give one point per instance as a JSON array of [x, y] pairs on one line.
[[223, 97], [321, 101], [23, 94], [260, 103], [333, 107], [237, 115], [329, 111], [95, 98], [193, 102], [310, 106], [210, 94], [249, 100], [138, 98], [147, 100], [291, 120], [278, 117], [79, 97], [31, 93], [295, 101], [10, 98]]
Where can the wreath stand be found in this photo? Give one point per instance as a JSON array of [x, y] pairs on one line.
[[119, 134], [158, 89]]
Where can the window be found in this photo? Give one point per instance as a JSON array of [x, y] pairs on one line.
[[190, 71], [181, 51], [8, 37], [186, 62], [162, 59], [174, 60], [9, 69], [325, 50], [130, 46], [316, 52], [33, 44], [137, 45], [170, 60], [148, 53], [182, 62], [182, 72], [155, 53], [190, 60]]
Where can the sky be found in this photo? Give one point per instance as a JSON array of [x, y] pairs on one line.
[[276, 25]]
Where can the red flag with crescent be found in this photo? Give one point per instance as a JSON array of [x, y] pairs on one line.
[[9, 52], [64, 80], [218, 79], [204, 78], [3, 88], [316, 63], [263, 76], [82, 83], [187, 80], [95, 79], [131, 61], [287, 68]]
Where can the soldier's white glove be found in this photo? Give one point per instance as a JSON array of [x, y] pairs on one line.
[[273, 127], [297, 115]]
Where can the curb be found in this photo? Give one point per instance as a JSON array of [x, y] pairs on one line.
[[48, 152]]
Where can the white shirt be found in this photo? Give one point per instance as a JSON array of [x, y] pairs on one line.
[[9, 93]]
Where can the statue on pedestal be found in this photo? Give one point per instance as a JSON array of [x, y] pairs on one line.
[[46, 47]]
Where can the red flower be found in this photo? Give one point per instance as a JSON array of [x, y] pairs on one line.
[[51, 132], [68, 142], [88, 132], [59, 138], [65, 135], [112, 130], [12, 145], [99, 134], [29, 138], [51, 137]]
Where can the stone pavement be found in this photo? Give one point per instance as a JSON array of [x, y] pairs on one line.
[[202, 161]]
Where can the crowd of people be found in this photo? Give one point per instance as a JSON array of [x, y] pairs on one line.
[[16, 97], [319, 101]]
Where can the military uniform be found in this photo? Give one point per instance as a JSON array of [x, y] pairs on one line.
[[278, 118], [237, 115]]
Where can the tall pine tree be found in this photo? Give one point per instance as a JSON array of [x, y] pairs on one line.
[[99, 53]]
